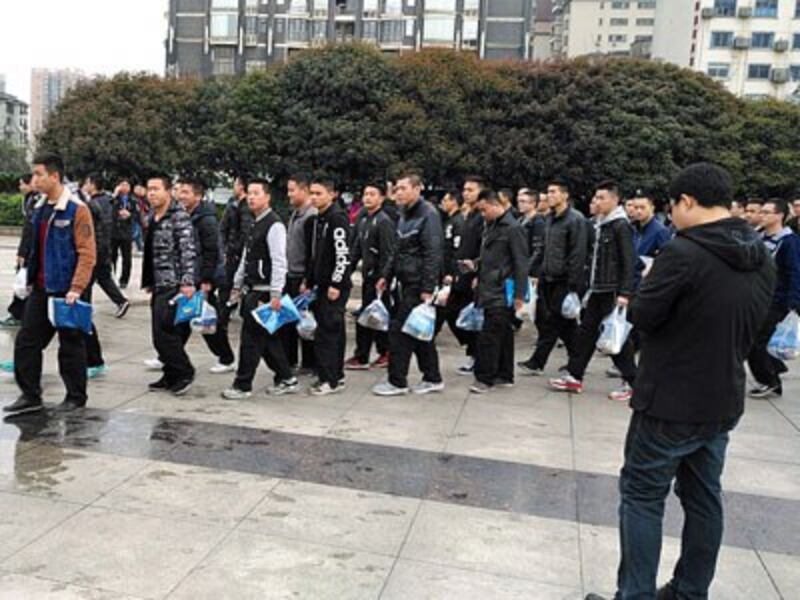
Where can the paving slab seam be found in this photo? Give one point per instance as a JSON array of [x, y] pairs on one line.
[[400, 550], [769, 574], [76, 585], [783, 414], [577, 494], [456, 423]]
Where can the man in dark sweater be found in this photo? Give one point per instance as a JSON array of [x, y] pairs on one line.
[[699, 311]]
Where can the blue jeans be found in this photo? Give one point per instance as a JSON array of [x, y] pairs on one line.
[[656, 453]]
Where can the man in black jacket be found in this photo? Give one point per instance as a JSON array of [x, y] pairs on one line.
[[124, 214], [17, 307], [329, 272], [699, 311], [208, 266], [561, 270], [503, 258], [374, 245], [452, 228], [417, 265], [610, 286]]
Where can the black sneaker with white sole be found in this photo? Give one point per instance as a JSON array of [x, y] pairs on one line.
[[161, 384], [122, 309], [182, 387], [23, 406], [763, 392]]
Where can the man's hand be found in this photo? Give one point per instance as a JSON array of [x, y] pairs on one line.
[[20, 261], [381, 285], [147, 290], [275, 304], [303, 288], [518, 305], [206, 288], [623, 301], [124, 214], [72, 297], [333, 294], [448, 279], [466, 266], [188, 290], [426, 297], [234, 297]]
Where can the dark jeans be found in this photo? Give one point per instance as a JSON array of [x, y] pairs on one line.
[[329, 338], [656, 453], [495, 360], [403, 345], [33, 337], [766, 368], [597, 309], [94, 353], [170, 339], [218, 342], [104, 278], [550, 324], [256, 343], [365, 336], [458, 300], [289, 335], [125, 247]]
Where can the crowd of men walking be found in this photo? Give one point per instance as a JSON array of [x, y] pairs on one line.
[[704, 287]]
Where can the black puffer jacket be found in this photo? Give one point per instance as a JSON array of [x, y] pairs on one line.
[[418, 257], [237, 220], [612, 265], [373, 243], [503, 256], [564, 256], [208, 251]]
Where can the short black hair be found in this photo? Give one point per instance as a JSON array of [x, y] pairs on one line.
[[709, 184], [559, 182], [378, 185], [26, 179], [476, 179], [301, 179], [198, 187], [243, 178], [781, 206], [508, 193], [53, 163], [97, 180], [124, 180], [455, 195], [324, 181], [758, 201], [609, 185], [488, 195], [165, 179], [414, 177], [264, 183]]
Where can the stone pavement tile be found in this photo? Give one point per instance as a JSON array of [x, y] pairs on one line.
[[256, 567], [548, 414], [412, 580], [187, 492], [543, 550], [351, 519], [785, 572], [63, 474], [739, 571], [24, 518], [14, 586], [763, 446], [599, 452], [762, 478], [130, 554], [761, 417]]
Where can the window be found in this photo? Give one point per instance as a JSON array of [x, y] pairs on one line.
[[794, 72], [796, 41], [232, 4], [392, 32], [721, 39], [409, 27], [320, 31], [469, 36], [370, 30], [393, 7], [646, 5], [758, 71], [766, 8], [471, 7], [224, 26], [298, 7], [797, 9], [620, 5], [297, 30], [371, 7], [725, 8], [439, 29], [319, 7], [617, 38], [645, 22], [619, 22], [763, 40], [440, 6], [719, 70]]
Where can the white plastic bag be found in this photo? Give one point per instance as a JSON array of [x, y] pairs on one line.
[[421, 323], [307, 325], [375, 316], [206, 323], [785, 342], [21, 284], [530, 306], [470, 318], [614, 331], [442, 296], [571, 307]]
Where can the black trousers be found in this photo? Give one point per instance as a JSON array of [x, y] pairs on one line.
[[224, 294], [597, 309], [124, 247], [289, 335], [365, 336], [94, 353], [767, 369], [403, 345], [105, 279], [33, 337], [17, 308], [218, 342], [457, 301], [170, 339], [256, 343], [495, 359], [330, 337], [550, 324]]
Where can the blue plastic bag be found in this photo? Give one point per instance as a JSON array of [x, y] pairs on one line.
[[375, 316], [75, 316], [571, 307], [304, 300], [187, 309], [273, 320], [511, 289], [470, 318], [421, 323], [785, 342]]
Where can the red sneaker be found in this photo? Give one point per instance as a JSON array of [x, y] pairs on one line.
[[353, 364], [382, 362], [567, 383]]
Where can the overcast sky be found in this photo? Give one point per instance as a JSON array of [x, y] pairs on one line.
[[97, 36]]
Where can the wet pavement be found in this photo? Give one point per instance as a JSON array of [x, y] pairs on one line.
[[508, 495]]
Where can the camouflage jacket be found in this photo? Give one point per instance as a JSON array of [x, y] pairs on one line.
[[173, 249]]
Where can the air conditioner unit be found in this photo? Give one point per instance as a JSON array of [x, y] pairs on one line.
[[779, 75], [741, 43], [781, 45], [707, 13], [745, 12]]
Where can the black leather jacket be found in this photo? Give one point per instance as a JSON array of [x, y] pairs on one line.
[[612, 260]]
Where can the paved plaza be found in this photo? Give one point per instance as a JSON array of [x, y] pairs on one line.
[[453, 496]]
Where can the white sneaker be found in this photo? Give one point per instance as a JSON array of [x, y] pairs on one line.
[[325, 389], [284, 387], [219, 368], [467, 368], [153, 364], [234, 394], [426, 387], [387, 389]]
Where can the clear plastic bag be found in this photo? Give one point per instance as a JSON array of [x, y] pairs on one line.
[[307, 325], [785, 342], [571, 307], [421, 323], [470, 318], [187, 309], [206, 323], [21, 284], [375, 316], [272, 320], [530, 307], [614, 331], [442, 296]]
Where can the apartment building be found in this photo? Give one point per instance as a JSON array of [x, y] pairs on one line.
[[48, 87], [13, 120]]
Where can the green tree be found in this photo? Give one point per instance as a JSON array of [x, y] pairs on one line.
[[12, 159]]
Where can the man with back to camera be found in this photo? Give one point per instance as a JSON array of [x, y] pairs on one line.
[[60, 262], [699, 311], [124, 213]]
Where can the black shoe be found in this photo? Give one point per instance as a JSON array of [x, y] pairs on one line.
[[667, 593], [122, 309], [23, 405], [122, 286], [67, 407], [594, 597], [180, 388], [161, 384]]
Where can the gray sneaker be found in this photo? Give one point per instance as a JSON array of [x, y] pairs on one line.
[[234, 394], [387, 389], [479, 388], [426, 387], [289, 386]]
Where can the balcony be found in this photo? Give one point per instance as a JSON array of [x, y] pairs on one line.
[[745, 12]]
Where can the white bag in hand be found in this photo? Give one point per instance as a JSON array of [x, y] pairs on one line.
[[307, 325], [614, 331], [571, 307], [375, 316], [21, 284], [785, 341]]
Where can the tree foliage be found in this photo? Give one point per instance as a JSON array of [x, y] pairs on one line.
[[12, 158]]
